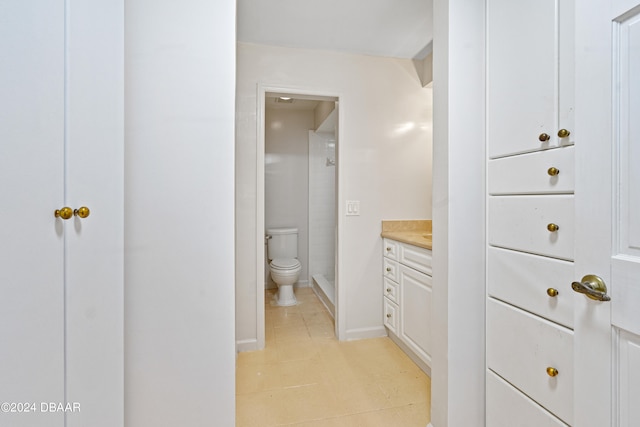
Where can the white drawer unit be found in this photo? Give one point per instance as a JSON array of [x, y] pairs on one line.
[[407, 299], [537, 224], [508, 407], [540, 285], [545, 172], [533, 354], [530, 213]]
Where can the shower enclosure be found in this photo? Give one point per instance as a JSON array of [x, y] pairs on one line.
[[322, 208]]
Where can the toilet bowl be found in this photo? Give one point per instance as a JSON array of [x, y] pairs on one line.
[[282, 252], [285, 273]]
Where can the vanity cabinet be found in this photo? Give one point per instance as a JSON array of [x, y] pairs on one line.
[[407, 299], [530, 211]]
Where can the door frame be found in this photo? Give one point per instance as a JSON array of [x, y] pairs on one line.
[[340, 315]]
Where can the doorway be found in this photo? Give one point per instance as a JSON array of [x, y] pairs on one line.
[[298, 186]]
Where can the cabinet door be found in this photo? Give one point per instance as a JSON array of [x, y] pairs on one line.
[[61, 307], [415, 311], [31, 172], [529, 93], [94, 245]]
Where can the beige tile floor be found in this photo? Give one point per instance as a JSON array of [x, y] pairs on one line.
[[305, 377]]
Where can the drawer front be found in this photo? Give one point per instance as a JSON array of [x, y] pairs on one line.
[[415, 300], [391, 316], [507, 407], [390, 269], [527, 281], [392, 290], [520, 348], [532, 173], [391, 249], [416, 257], [521, 223]]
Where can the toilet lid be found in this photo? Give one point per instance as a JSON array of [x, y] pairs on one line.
[[285, 263]]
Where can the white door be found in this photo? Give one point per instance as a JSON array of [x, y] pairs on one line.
[[61, 281], [607, 206]]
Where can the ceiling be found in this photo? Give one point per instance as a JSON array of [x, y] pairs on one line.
[[394, 28]]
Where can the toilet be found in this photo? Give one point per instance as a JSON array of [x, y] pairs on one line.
[[282, 251]]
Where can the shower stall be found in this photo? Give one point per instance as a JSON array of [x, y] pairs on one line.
[[322, 211]]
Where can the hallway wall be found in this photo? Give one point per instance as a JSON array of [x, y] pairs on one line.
[[179, 194]]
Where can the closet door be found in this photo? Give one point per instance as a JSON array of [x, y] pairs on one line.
[[31, 238], [94, 179], [61, 280]]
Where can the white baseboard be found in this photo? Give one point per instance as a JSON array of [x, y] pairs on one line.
[[247, 345], [364, 333]]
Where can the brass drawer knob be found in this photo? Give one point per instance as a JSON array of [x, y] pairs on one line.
[[388, 315], [64, 213], [552, 292], [388, 269], [552, 372], [544, 137], [82, 212], [563, 133], [388, 249], [553, 171], [388, 289], [553, 227]]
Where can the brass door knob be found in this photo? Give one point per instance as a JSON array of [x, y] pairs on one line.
[[563, 133], [64, 213], [544, 137], [82, 212], [553, 171], [593, 287], [552, 292], [553, 227], [552, 372]]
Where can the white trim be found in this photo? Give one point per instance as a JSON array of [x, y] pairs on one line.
[[260, 242], [340, 314], [365, 333], [247, 345]]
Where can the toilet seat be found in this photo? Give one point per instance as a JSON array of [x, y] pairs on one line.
[[285, 264]]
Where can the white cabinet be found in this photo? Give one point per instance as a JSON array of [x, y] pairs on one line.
[[529, 92], [62, 133], [530, 213], [407, 299]]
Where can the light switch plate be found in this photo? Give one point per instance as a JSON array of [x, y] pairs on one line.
[[353, 207]]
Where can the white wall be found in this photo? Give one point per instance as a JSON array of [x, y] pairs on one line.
[[384, 157], [287, 175], [458, 363], [179, 203]]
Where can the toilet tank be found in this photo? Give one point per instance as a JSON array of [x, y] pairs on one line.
[[283, 243]]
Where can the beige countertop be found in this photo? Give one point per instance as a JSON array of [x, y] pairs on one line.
[[412, 232]]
